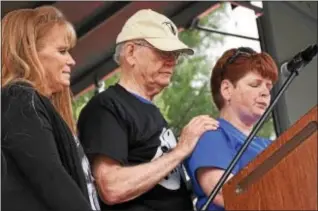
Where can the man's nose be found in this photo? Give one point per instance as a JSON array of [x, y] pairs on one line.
[[171, 61]]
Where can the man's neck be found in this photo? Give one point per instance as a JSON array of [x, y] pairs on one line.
[[138, 87]]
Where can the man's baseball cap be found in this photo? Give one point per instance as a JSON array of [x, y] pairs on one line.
[[156, 29]]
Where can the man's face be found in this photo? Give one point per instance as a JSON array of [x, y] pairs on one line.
[[155, 67]]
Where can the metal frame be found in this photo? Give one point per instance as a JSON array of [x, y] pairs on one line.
[[196, 25], [280, 117]]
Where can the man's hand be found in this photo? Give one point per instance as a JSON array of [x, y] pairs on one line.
[[193, 130]]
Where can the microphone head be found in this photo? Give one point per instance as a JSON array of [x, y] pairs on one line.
[[309, 53], [284, 72], [300, 60]]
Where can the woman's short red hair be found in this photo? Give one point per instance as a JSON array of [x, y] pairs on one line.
[[261, 63]]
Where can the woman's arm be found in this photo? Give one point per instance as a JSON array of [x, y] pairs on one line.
[[31, 144], [208, 178]]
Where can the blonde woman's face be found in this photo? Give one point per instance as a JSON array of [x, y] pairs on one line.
[[56, 60]]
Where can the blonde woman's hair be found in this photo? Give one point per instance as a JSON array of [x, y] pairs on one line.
[[22, 34]]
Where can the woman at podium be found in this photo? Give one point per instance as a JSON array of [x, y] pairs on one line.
[[241, 82]]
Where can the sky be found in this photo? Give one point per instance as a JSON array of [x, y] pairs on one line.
[[242, 21]]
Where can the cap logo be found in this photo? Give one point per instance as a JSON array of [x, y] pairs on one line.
[[170, 26]]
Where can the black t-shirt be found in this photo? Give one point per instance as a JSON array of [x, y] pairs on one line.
[[34, 177], [132, 131]]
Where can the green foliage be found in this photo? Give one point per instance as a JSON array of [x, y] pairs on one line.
[[79, 102]]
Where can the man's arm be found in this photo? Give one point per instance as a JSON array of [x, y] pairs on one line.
[[117, 184]]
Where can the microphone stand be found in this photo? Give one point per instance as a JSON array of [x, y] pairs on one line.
[[293, 73]]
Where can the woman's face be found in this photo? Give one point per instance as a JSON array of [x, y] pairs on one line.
[[250, 97], [56, 60]]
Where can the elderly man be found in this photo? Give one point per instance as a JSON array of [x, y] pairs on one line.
[[134, 155]]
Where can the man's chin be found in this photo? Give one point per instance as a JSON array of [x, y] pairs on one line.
[[164, 82], [164, 85]]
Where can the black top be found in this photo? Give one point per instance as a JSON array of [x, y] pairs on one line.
[[132, 131], [39, 173]]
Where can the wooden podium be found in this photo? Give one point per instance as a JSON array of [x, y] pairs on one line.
[[282, 177]]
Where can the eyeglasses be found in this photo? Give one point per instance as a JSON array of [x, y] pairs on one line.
[[242, 51], [165, 55]]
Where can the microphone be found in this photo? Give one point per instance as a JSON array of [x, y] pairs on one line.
[[299, 60]]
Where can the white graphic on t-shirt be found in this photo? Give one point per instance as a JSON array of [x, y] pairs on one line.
[[168, 142], [92, 193]]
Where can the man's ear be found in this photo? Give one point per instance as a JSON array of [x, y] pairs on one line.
[[226, 89], [129, 54]]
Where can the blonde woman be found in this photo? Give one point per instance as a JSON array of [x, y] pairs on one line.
[[43, 158]]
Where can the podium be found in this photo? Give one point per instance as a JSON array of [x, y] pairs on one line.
[[282, 177]]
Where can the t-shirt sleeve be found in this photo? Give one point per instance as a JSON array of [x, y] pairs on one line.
[[30, 143], [100, 132], [212, 150]]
